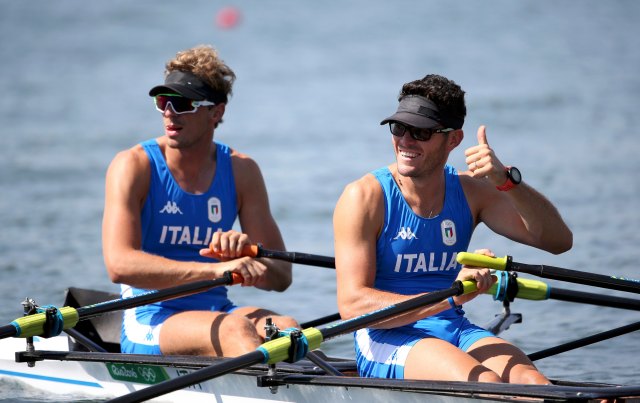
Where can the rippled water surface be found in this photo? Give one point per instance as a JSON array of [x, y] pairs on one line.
[[557, 85]]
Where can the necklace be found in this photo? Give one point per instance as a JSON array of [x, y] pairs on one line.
[[399, 182]]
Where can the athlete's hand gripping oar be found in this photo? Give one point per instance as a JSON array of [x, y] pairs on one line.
[[258, 251], [52, 321], [555, 273], [294, 348]]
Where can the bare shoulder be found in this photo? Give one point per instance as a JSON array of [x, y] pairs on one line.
[[365, 188], [129, 173], [251, 189], [133, 160], [244, 167], [363, 195]]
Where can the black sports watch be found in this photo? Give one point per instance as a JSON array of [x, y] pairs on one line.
[[514, 177]]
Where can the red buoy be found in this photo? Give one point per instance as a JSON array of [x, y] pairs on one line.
[[228, 17]]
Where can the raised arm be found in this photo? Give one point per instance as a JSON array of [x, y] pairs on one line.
[[521, 214]]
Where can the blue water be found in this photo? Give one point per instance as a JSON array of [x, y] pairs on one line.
[[556, 83]]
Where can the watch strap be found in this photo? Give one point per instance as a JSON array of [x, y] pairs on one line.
[[508, 184]]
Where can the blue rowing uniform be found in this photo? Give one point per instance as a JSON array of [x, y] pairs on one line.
[[414, 255], [176, 225]]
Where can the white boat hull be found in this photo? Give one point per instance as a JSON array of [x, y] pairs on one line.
[[104, 379], [108, 380]]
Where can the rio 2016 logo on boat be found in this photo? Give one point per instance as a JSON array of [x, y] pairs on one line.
[[147, 374]]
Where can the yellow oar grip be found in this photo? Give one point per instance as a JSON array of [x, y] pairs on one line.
[[469, 286], [527, 289], [477, 260], [278, 349], [33, 325]]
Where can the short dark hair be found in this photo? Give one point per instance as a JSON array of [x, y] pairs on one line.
[[445, 93]]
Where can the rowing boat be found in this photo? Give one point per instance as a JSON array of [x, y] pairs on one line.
[[85, 363]]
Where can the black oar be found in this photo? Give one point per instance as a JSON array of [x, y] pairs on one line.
[[555, 273], [532, 290], [279, 349], [585, 341], [594, 299], [321, 321], [68, 317], [528, 289], [293, 257], [537, 290]]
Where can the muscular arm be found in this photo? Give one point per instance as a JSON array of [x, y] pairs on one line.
[[127, 183], [522, 214], [257, 221], [357, 221]]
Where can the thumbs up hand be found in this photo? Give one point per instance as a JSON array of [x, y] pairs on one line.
[[483, 162]]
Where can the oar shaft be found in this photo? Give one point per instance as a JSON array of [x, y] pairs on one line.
[[594, 299], [151, 297], [299, 257], [225, 367], [7, 331], [578, 277], [258, 251], [537, 290], [371, 318], [40, 323], [550, 272], [321, 321], [572, 345]]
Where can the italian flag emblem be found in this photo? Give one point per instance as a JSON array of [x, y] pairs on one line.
[[448, 232]]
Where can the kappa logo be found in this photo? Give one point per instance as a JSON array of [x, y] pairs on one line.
[[171, 208], [406, 233]]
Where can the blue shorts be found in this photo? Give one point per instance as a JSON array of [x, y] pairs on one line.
[[141, 326], [382, 353]]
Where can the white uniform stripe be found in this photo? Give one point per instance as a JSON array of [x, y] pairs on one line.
[[137, 332], [384, 353]]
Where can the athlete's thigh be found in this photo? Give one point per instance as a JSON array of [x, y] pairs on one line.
[[258, 316], [505, 359], [205, 333], [436, 359]]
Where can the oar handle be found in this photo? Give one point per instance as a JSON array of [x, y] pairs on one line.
[[257, 251], [477, 260], [247, 250], [236, 278], [467, 287]]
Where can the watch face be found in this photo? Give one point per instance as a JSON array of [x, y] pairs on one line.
[[515, 175]]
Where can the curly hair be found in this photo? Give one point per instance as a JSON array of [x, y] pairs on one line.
[[443, 92], [203, 61]]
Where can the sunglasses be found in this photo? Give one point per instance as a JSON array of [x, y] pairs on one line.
[[178, 103], [399, 129]]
